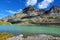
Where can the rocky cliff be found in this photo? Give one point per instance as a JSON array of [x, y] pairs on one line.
[[30, 15]]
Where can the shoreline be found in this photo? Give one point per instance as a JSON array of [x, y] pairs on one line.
[[34, 37]]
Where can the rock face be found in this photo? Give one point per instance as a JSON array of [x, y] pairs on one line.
[[31, 15], [55, 13]]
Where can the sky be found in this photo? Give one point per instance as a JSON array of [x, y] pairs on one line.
[[10, 7]]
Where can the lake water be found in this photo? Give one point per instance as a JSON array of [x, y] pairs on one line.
[[17, 29]]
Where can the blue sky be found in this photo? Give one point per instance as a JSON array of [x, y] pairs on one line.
[[10, 7]]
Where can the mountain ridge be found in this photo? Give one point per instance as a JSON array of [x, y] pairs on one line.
[[31, 15]]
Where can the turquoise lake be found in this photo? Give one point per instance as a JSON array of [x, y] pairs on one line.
[[17, 29]]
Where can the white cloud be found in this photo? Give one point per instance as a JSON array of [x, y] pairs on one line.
[[2, 15], [13, 12], [44, 4], [19, 10], [31, 2]]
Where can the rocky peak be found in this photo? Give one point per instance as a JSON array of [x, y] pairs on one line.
[[30, 10], [55, 9]]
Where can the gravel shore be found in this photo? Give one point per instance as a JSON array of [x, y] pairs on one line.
[[35, 37]]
